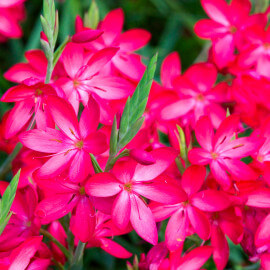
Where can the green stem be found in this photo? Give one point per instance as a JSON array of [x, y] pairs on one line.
[[49, 69], [5, 167], [77, 260], [112, 159], [66, 252]]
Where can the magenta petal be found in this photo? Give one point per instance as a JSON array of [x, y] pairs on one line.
[[259, 198], [110, 87], [89, 118], [193, 179], [217, 10], [199, 222], [205, 133], [196, 258], [160, 191], [103, 185], [121, 209], [14, 123], [262, 236], [98, 61], [220, 174], [171, 68], [134, 39], [176, 230], [143, 220], [86, 36], [164, 158], [80, 166], [49, 141], [211, 200], [55, 165], [83, 221], [199, 156], [72, 58], [114, 249], [112, 25], [55, 207], [177, 109], [206, 28], [220, 247], [95, 143], [21, 256], [203, 75], [239, 170], [226, 129], [64, 116]]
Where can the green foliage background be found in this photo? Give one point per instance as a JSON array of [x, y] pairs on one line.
[[171, 23]]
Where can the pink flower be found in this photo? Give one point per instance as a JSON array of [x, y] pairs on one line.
[[30, 97], [256, 52], [23, 223], [129, 181], [197, 96], [225, 28], [222, 151], [128, 42], [63, 196], [31, 254], [84, 76], [106, 229], [188, 210], [71, 144]]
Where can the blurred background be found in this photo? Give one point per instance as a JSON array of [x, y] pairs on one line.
[[171, 24]]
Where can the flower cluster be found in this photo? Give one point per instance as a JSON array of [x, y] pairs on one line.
[[208, 181]]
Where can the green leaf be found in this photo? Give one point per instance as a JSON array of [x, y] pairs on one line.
[[95, 164], [182, 143], [59, 51], [91, 18], [7, 200], [131, 133], [131, 118], [114, 138]]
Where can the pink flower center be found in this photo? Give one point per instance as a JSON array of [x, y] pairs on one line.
[[260, 158], [76, 83], [266, 45], [233, 29], [38, 92], [128, 187], [200, 97], [214, 155], [82, 191], [79, 144]]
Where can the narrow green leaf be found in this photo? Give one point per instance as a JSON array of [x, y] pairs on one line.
[[95, 164], [7, 200], [59, 51], [114, 138], [182, 143], [130, 134], [135, 106], [125, 119], [5, 222], [91, 18]]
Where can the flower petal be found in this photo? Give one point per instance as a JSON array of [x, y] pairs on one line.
[[143, 220], [121, 210], [103, 185]]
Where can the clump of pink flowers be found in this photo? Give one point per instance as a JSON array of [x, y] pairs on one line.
[[86, 133]]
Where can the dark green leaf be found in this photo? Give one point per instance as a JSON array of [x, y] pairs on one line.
[[114, 138], [7, 200]]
